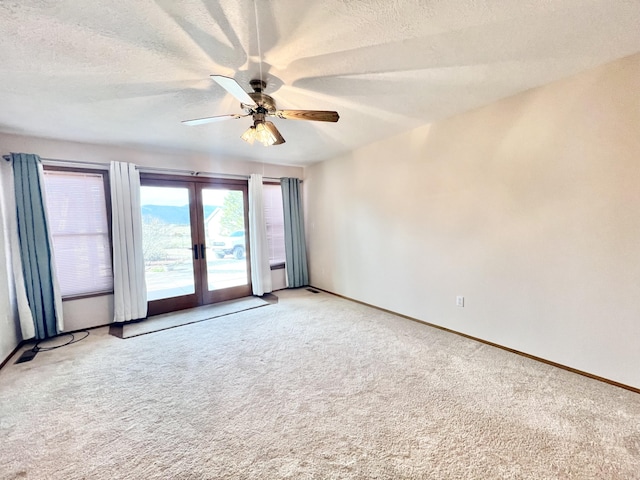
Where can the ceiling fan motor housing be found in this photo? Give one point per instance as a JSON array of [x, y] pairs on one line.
[[261, 100]]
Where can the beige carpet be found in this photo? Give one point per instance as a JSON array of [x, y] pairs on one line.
[[156, 323], [314, 387]]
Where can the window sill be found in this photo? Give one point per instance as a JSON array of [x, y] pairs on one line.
[[85, 295]]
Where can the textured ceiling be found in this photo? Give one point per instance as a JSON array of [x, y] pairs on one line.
[[126, 72]]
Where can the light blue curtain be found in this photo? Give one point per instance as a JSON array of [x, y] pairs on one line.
[[294, 238], [35, 247]]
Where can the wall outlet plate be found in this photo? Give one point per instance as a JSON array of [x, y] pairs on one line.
[[459, 301]]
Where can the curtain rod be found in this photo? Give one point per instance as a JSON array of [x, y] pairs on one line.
[[192, 173]]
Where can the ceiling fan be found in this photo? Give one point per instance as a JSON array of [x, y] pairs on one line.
[[259, 105]]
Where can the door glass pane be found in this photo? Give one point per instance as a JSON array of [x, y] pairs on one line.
[[225, 238], [166, 242]]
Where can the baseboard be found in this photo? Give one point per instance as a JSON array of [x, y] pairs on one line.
[[486, 342], [15, 350]]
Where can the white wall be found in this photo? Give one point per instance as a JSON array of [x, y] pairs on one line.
[[527, 207], [278, 279], [58, 149], [90, 312]]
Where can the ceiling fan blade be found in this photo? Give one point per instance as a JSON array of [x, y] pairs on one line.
[[234, 88], [316, 115], [218, 118], [274, 131]]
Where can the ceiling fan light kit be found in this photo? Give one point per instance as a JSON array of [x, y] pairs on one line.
[[259, 105], [264, 132]]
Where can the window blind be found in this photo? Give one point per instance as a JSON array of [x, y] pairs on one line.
[[274, 218], [77, 216]]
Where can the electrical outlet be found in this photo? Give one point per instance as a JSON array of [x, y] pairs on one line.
[[459, 301]]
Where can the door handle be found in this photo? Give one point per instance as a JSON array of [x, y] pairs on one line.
[[195, 252], [202, 251]]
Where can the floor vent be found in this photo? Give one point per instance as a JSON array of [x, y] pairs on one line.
[[26, 356], [312, 290]]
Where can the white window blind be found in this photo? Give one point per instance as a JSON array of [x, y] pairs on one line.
[[274, 218], [77, 216]]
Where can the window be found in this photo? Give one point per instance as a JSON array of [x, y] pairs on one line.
[[78, 224], [274, 218]]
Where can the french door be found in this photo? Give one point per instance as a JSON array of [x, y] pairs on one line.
[[195, 241]]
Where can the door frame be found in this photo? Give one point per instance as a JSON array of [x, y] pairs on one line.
[[229, 293], [202, 295]]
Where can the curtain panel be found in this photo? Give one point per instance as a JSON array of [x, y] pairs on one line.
[[11, 252], [35, 251], [294, 238], [129, 287], [260, 267]]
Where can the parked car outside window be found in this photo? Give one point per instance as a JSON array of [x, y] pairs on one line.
[[230, 245]]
